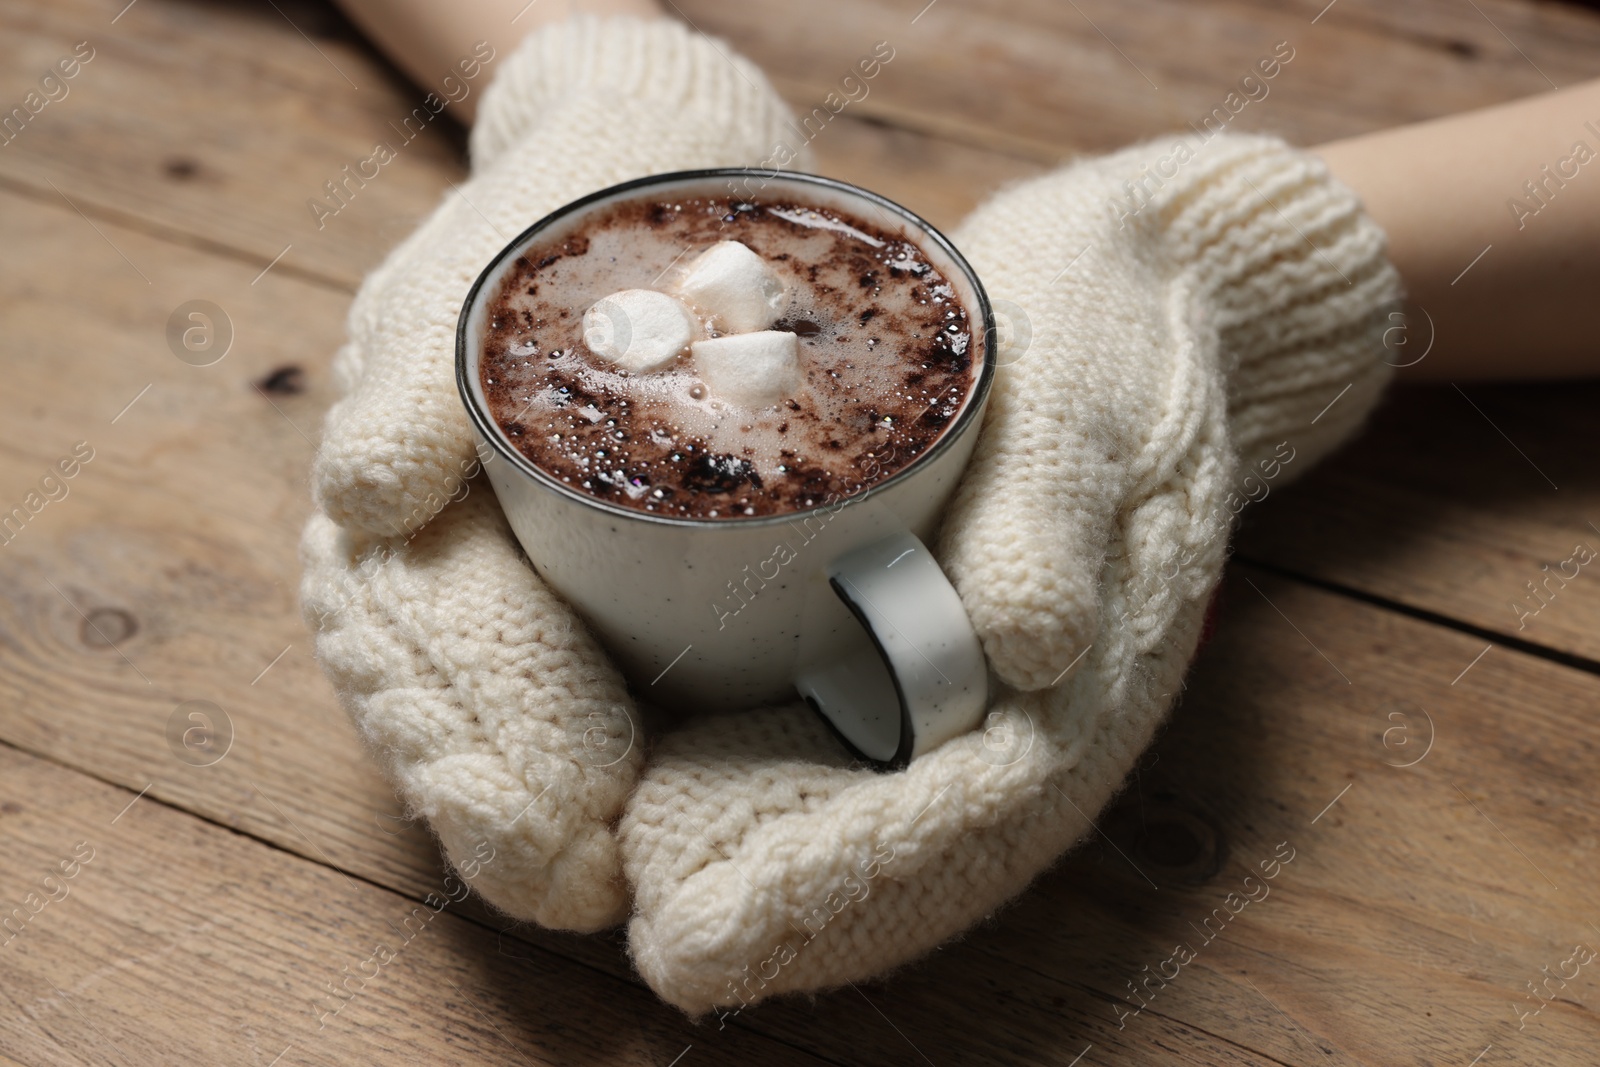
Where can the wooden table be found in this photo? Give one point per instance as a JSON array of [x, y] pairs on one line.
[[1373, 698]]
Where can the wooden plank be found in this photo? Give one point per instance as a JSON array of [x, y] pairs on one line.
[[217, 125], [1422, 898], [1452, 503], [168, 573], [939, 179], [150, 135], [175, 941], [1046, 77]]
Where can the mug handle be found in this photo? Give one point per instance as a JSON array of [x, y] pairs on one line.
[[922, 680]]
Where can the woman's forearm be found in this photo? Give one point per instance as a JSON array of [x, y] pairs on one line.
[[426, 39], [1493, 219]]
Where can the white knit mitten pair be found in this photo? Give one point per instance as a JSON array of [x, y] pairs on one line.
[[1181, 320]]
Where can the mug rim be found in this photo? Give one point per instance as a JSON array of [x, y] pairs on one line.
[[491, 432]]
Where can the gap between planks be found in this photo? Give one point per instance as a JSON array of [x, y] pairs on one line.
[[1557, 656]]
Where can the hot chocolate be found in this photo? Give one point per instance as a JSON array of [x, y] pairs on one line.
[[714, 358]]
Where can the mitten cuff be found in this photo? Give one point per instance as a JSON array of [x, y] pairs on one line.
[[1293, 277], [659, 61]]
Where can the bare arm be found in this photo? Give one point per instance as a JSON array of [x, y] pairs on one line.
[[1449, 189], [426, 39]]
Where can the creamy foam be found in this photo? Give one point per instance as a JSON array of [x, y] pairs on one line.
[[887, 355]]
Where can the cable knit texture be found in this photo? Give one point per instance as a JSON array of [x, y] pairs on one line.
[[1219, 321], [478, 690]]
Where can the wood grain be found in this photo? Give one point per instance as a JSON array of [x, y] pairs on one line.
[[169, 572], [1045, 77], [150, 136], [214, 125], [1452, 503], [180, 942], [1419, 903]]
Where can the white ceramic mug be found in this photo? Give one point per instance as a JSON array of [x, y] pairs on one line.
[[842, 603]]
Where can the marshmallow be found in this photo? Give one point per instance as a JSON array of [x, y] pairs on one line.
[[733, 287], [638, 329], [753, 370]]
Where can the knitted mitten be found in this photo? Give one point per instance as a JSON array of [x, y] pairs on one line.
[[486, 702], [1198, 321]]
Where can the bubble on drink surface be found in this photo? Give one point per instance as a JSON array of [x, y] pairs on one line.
[[199, 332]]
